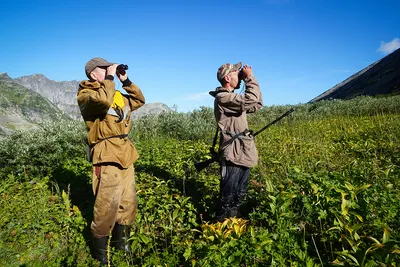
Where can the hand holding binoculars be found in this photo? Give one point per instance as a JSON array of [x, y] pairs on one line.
[[245, 72], [121, 69]]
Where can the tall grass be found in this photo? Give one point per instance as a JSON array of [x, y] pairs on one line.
[[325, 192], [200, 123]]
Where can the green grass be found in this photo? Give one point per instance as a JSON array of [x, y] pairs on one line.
[[325, 192]]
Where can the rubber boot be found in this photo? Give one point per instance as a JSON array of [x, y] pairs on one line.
[[234, 212], [120, 236], [221, 215], [226, 202], [100, 249]]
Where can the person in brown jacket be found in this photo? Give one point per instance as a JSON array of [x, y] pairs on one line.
[[237, 149], [106, 112]]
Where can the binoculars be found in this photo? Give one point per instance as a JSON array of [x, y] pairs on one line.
[[240, 74], [122, 67]]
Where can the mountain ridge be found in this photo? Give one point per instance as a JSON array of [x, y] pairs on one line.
[[379, 78], [23, 109], [61, 96]]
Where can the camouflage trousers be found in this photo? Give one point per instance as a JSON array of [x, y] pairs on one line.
[[115, 198]]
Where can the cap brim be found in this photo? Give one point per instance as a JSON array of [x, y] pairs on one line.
[[105, 64], [238, 66]]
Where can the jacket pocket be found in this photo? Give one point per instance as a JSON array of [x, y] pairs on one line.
[[248, 155]]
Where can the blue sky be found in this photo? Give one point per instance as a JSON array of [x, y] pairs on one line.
[[298, 49]]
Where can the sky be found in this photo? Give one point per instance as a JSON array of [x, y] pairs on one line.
[[298, 49]]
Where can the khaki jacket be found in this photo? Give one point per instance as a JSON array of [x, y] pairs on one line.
[[106, 113], [230, 111]]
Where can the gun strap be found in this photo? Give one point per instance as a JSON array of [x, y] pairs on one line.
[[236, 136], [230, 141], [215, 139]]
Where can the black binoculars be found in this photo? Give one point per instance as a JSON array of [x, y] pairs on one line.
[[122, 67], [240, 74]]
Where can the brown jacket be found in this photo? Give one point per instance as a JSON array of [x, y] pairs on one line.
[[104, 120], [230, 111]]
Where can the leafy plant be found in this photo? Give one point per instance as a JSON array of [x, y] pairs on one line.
[[325, 188]]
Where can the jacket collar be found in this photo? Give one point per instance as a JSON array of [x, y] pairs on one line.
[[95, 85], [219, 90]]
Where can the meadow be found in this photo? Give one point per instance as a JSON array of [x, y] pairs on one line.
[[326, 191]]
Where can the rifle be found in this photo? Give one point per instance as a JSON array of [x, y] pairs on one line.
[[203, 164], [287, 113], [214, 155]]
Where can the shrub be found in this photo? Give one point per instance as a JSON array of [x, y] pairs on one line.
[[39, 227]]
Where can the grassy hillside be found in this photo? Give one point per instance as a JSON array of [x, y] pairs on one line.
[[380, 78], [325, 192], [22, 109]]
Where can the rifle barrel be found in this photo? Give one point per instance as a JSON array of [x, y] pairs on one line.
[[287, 113], [202, 165]]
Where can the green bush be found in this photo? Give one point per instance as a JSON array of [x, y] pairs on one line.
[[38, 153], [39, 227]]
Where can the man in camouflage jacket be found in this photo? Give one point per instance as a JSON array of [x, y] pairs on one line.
[[106, 112], [237, 149]]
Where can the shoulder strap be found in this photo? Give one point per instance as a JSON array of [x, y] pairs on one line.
[[230, 141], [215, 139], [236, 136]]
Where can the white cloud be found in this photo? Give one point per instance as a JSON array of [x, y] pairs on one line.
[[387, 48], [197, 97]]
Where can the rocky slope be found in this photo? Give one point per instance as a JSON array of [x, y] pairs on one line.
[[29, 100], [61, 94], [380, 78], [23, 109], [151, 109]]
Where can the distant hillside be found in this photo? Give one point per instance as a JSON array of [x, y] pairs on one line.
[[22, 109], [150, 109], [380, 78], [61, 94], [28, 100]]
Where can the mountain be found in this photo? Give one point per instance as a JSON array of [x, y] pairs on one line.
[[380, 78], [29, 100], [21, 108], [150, 109], [61, 94]]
